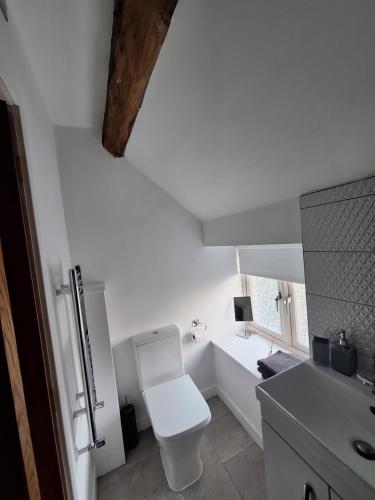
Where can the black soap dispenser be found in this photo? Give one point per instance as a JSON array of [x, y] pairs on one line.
[[344, 356]]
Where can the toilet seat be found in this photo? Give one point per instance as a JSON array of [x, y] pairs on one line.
[[176, 408]]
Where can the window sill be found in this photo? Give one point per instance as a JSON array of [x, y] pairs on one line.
[[278, 342]]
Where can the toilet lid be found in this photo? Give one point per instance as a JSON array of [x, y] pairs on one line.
[[176, 407]]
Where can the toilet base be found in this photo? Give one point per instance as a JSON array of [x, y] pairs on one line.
[[174, 486], [181, 460]]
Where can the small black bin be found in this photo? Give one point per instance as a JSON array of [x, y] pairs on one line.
[[129, 427]]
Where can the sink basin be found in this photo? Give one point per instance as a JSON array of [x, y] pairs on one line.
[[331, 410]]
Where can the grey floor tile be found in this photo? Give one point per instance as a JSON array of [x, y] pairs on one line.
[[217, 407], [143, 476], [247, 472], [147, 446], [144, 480], [215, 484], [228, 437], [208, 452]]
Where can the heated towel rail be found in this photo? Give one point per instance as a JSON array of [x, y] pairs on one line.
[[75, 289]]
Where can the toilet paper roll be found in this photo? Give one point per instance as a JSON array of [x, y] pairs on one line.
[[198, 335]]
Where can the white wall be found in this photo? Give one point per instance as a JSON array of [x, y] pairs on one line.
[[129, 233], [256, 104], [49, 214], [68, 43], [271, 225]]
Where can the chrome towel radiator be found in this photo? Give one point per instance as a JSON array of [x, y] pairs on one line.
[[75, 289]]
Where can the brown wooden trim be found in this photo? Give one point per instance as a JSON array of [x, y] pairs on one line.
[[139, 30], [30, 319], [15, 377], [39, 295]]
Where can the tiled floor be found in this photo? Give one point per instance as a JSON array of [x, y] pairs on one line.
[[233, 466]]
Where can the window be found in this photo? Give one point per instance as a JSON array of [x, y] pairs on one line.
[[279, 310], [264, 293]]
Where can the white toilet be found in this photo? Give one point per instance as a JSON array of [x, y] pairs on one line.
[[178, 411]]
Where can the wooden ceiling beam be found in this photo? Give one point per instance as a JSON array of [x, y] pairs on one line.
[[139, 30]]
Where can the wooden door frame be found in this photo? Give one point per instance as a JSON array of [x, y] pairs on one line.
[[17, 400], [33, 341]]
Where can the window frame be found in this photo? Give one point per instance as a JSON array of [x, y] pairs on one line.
[[288, 336], [293, 326]]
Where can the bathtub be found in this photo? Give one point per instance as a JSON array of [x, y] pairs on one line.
[[237, 376]]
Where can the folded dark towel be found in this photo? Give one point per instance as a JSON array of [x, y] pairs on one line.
[[265, 372], [277, 363]]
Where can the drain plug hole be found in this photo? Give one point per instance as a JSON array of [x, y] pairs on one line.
[[364, 449]]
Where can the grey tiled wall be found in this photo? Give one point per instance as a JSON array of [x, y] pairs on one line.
[[338, 235]]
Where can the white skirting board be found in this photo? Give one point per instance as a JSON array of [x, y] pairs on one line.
[[209, 392]]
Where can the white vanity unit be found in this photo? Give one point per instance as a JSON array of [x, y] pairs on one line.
[[310, 418]]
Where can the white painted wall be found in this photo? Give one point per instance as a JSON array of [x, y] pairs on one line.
[[44, 176], [271, 225], [250, 102], [68, 43], [256, 102], [128, 232]]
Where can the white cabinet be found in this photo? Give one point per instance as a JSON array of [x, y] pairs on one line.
[[108, 421], [288, 477]]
